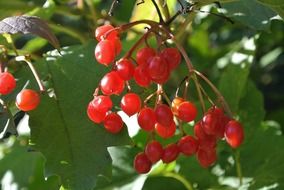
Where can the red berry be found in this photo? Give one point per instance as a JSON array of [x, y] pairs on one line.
[[206, 157], [222, 122], [164, 115], [7, 83], [101, 30], [27, 100], [157, 67], [199, 132], [111, 83], [113, 123], [209, 142], [105, 52], [95, 114], [188, 145], [175, 104], [165, 131], [144, 55], [163, 79], [154, 151], [234, 133], [125, 69], [117, 45], [102, 103], [171, 153], [147, 119], [130, 104], [172, 56], [141, 77], [141, 163], [187, 111]]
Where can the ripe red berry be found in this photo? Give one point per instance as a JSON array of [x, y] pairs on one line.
[[157, 67], [125, 69], [187, 111], [141, 77], [111, 83], [117, 45], [172, 56], [209, 142], [144, 55], [147, 119], [188, 145], [141, 163], [95, 114], [234, 133], [206, 157], [165, 131], [113, 123], [130, 104], [164, 115], [7, 83], [105, 52], [199, 132], [27, 100], [171, 153], [154, 151], [175, 104], [102, 103], [101, 30]]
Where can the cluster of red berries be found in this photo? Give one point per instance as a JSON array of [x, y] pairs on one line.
[[153, 66], [213, 126], [26, 100]]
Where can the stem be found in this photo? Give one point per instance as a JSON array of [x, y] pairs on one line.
[[36, 75], [200, 96], [10, 41], [165, 9], [149, 97], [158, 11], [180, 178], [207, 96], [217, 92], [238, 167]]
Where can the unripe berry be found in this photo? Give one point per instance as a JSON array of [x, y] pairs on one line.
[[7, 83], [27, 100]]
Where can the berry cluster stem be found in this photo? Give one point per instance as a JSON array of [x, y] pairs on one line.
[[36, 75]]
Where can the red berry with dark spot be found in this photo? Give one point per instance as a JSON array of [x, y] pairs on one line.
[[7, 83], [113, 123], [234, 133], [27, 100], [141, 163], [111, 83], [154, 151], [188, 145], [147, 119], [144, 55], [187, 111], [172, 56], [130, 104], [171, 153], [105, 52], [164, 115], [125, 69], [165, 131]]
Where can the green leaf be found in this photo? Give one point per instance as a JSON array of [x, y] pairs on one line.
[[251, 13], [25, 167], [276, 5], [75, 148], [232, 84]]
